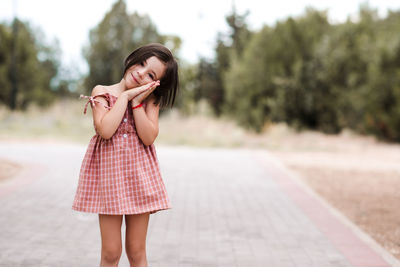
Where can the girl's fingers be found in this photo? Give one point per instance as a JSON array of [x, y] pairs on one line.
[[144, 89], [145, 93], [151, 85], [148, 92], [154, 85]]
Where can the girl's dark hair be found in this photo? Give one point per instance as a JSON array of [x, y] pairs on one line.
[[166, 92]]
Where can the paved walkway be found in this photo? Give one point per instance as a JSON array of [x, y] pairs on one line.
[[230, 208]]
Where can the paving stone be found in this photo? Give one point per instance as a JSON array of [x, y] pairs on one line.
[[228, 210]]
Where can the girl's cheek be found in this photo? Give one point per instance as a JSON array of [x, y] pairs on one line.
[[147, 80]]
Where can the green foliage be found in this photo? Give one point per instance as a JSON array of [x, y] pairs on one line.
[[239, 32], [359, 63], [27, 66], [114, 38], [187, 88], [312, 74], [303, 71], [271, 81], [209, 83], [382, 95]]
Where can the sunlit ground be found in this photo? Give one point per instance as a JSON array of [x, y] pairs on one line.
[[358, 175]]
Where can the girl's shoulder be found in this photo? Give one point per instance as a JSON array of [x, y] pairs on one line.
[[100, 90], [105, 89]]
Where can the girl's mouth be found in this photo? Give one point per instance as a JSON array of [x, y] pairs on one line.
[[134, 78]]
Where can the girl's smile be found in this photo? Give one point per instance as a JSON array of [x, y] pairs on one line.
[[135, 78]]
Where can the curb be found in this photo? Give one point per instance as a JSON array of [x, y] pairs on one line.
[[359, 233]]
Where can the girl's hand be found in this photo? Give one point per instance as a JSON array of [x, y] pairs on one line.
[[144, 94], [134, 92]]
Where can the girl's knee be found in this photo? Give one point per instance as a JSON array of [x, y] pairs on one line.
[[111, 255], [136, 254]]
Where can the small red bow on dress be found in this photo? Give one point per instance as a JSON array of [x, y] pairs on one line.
[[92, 102]]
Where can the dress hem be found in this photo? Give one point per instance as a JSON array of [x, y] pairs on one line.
[[152, 211]]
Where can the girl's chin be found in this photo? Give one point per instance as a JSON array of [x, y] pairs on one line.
[[130, 84]]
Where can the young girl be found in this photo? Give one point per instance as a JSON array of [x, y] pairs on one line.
[[120, 173]]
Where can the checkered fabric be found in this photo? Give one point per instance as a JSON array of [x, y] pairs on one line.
[[120, 175]]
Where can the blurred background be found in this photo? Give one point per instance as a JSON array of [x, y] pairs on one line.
[[326, 68], [315, 83]]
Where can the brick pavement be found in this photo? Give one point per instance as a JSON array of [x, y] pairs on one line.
[[230, 208]]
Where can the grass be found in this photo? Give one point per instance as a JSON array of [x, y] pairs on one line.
[[65, 121]]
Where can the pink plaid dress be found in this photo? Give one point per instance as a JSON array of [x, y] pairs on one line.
[[120, 175]]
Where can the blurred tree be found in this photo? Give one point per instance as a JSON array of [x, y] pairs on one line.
[[187, 88], [349, 60], [114, 38], [273, 79], [311, 74], [5, 64], [26, 75], [305, 100], [208, 85], [382, 96], [210, 73], [239, 31], [248, 83]]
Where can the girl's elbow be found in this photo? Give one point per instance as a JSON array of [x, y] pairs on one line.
[[105, 134], [147, 143], [150, 140]]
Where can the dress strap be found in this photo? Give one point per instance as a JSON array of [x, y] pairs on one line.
[[92, 101]]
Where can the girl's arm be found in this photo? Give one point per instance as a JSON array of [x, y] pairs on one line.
[[106, 121], [146, 121]]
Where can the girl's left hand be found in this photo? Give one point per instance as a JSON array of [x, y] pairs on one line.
[[142, 96]]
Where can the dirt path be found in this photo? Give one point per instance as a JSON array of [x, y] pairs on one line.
[[8, 169], [357, 175]]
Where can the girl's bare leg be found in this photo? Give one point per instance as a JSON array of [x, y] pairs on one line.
[[136, 232], [111, 242]]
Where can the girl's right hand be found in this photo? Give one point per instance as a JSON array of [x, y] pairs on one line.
[[132, 93]]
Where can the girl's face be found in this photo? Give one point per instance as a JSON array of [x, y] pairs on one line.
[[152, 69]]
